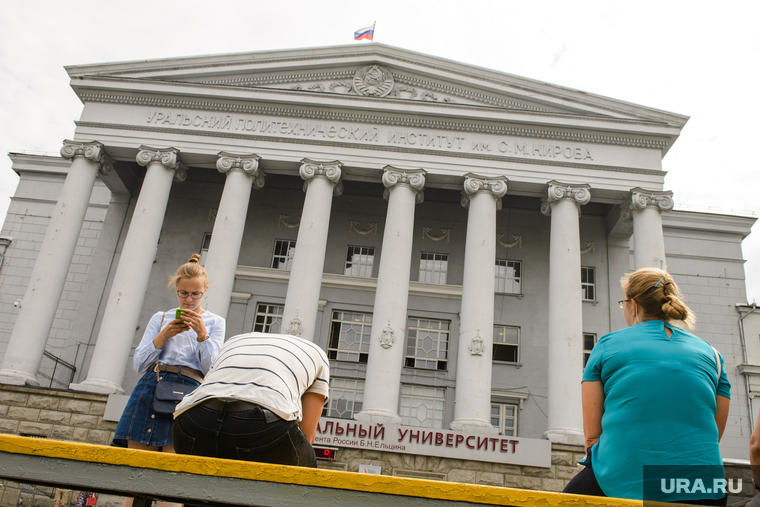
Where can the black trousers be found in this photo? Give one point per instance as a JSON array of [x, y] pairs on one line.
[[584, 483], [249, 435]]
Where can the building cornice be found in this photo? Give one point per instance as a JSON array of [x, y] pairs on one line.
[[410, 122], [348, 282]]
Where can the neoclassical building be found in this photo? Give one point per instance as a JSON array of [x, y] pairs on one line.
[[452, 236]]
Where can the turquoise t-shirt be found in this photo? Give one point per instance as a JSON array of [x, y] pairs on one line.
[[659, 405]]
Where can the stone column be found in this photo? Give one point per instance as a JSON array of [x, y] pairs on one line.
[[565, 312], [473, 394], [35, 319], [242, 173], [648, 243], [321, 182], [122, 314], [386, 351], [618, 264]]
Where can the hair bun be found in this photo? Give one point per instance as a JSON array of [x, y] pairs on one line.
[[195, 259]]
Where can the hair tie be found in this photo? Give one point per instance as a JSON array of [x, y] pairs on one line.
[[658, 282]]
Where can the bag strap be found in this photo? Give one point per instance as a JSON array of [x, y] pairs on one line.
[[717, 361], [155, 368]]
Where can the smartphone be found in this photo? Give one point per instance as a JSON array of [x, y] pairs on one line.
[[178, 313]]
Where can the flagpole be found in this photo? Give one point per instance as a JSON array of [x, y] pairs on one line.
[[373, 31]]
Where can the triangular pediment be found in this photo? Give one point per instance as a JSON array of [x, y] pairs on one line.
[[377, 72]]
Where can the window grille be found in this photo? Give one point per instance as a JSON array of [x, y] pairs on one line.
[[350, 333], [427, 343], [422, 406], [346, 398], [589, 340], [359, 261], [588, 284], [433, 268], [508, 276], [284, 250], [506, 343], [268, 318], [204, 247], [504, 418]]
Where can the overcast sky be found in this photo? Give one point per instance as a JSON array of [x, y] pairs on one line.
[[698, 59]]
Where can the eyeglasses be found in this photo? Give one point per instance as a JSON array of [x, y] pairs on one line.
[[620, 303], [183, 294]]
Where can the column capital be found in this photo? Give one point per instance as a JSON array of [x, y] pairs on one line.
[[93, 151], [248, 164], [167, 157], [580, 194], [413, 178], [475, 184], [329, 170], [642, 198]]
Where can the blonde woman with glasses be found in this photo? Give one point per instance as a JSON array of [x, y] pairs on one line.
[[179, 350]]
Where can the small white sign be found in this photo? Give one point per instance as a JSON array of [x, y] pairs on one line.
[[370, 469]]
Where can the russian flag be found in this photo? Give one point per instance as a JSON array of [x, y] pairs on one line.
[[365, 33]]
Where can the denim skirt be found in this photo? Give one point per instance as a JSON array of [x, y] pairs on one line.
[[139, 422]]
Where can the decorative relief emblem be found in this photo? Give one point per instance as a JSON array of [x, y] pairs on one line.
[[445, 234], [212, 214], [409, 92], [589, 247], [517, 241], [387, 337], [284, 221], [476, 346], [295, 327], [373, 81], [345, 85], [429, 96], [354, 226]]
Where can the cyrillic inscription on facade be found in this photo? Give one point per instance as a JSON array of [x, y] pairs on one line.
[[370, 134], [434, 442]]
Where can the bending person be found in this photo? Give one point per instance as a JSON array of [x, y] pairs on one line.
[[653, 394], [261, 401]]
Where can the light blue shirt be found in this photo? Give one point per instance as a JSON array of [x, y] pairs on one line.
[[659, 405], [182, 349]]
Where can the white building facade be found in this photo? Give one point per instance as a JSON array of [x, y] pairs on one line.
[[452, 236]]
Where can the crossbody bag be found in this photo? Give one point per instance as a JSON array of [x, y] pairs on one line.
[[168, 394]]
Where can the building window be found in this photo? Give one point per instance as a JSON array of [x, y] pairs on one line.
[[588, 284], [433, 267], [204, 247], [268, 318], [346, 398], [349, 336], [589, 340], [359, 261], [284, 250], [422, 406], [508, 276], [504, 418], [506, 343], [427, 343]]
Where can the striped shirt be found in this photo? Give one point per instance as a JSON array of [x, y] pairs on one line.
[[270, 370]]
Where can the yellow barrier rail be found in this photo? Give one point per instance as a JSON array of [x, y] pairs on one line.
[[174, 465]]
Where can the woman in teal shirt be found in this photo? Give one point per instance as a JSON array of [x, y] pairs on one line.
[[654, 394]]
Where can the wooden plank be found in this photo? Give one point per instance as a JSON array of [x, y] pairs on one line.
[[182, 477]]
